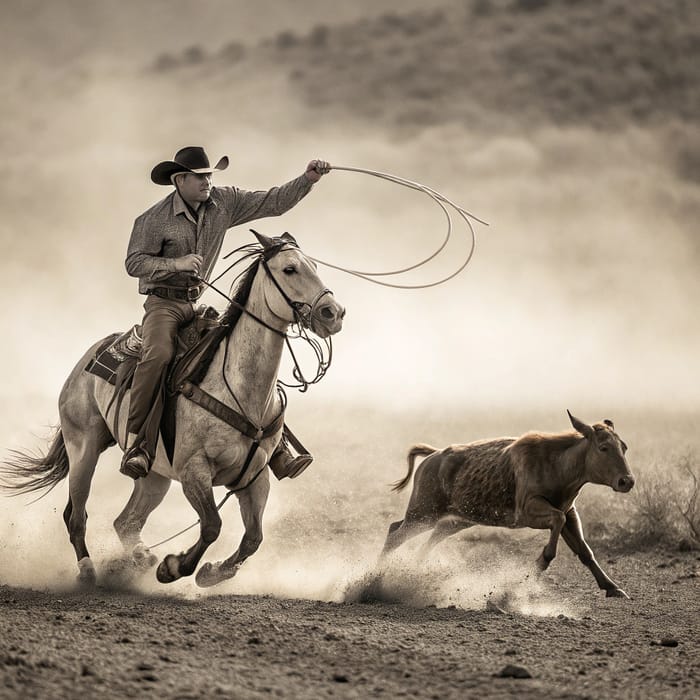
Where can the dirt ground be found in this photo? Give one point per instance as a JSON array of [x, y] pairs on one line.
[[118, 643]]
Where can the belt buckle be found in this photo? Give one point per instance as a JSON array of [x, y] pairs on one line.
[[193, 293]]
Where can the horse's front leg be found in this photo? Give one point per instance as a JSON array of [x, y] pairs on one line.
[[252, 502], [197, 487]]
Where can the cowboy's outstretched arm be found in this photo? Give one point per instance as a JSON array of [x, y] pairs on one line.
[[247, 206]]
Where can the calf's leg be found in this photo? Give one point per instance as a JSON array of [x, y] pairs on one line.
[[401, 531], [540, 514], [446, 526], [573, 536]]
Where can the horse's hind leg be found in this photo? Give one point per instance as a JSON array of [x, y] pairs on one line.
[[252, 503], [148, 493], [83, 451]]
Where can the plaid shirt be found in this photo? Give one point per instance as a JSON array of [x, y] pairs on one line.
[[168, 230]]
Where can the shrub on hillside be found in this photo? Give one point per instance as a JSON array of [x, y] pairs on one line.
[[193, 55], [481, 8], [319, 36], [233, 51], [286, 40], [165, 62], [530, 5]]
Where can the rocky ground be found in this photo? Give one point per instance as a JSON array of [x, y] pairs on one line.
[[116, 643]]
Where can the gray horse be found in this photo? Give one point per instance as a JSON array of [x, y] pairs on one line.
[[208, 451]]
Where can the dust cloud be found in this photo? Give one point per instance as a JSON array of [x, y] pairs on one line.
[[582, 294]]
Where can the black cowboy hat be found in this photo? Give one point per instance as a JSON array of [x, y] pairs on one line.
[[190, 159]]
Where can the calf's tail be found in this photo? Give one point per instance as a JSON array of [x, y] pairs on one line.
[[420, 450], [27, 473]]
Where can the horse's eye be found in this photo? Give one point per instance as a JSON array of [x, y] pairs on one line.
[[289, 270], [603, 448]]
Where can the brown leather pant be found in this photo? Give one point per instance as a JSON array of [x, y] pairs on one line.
[[160, 325]]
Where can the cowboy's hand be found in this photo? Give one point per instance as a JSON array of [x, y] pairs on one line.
[[316, 169], [189, 263]]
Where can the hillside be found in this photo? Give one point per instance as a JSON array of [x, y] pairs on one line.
[[486, 63]]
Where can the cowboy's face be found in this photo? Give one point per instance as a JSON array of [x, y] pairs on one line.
[[194, 187]]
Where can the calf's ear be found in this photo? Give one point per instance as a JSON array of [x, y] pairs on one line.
[[579, 425]]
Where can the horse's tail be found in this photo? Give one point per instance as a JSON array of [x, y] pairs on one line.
[[27, 472], [420, 450]]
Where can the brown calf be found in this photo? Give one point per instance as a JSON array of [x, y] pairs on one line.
[[530, 481]]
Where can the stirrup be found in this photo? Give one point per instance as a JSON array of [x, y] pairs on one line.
[[298, 465], [284, 465], [135, 463]]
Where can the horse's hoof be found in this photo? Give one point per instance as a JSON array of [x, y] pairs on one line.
[[616, 593], [87, 577], [210, 574], [143, 558], [205, 576], [168, 569]]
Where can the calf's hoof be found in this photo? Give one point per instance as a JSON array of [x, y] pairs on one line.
[[616, 593], [169, 569], [542, 563]]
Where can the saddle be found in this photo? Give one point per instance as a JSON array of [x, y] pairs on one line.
[[116, 358]]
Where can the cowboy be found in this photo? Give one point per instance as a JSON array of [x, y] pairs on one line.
[[173, 246]]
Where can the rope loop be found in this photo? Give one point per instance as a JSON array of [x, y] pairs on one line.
[[441, 201]]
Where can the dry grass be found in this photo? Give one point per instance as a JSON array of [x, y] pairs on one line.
[[667, 508]]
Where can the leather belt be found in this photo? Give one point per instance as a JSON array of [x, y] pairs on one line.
[[177, 293]]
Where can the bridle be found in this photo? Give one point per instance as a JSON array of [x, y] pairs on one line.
[[303, 311], [303, 318]]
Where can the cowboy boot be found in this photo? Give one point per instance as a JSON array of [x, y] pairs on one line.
[[284, 464], [135, 463]]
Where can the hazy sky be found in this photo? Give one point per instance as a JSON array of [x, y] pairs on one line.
[[580, 292]]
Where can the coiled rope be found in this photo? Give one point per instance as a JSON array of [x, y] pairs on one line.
[[441, 201]]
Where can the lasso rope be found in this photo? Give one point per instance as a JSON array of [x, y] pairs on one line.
[[440, 200]]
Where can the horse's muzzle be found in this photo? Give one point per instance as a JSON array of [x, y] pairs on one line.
[[327, 317]]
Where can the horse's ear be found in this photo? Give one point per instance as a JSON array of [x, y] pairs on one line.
[[286, 236], [264, 241], [609, 423], [579, 425]]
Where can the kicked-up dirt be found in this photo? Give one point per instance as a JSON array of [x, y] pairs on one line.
[[115, 642]]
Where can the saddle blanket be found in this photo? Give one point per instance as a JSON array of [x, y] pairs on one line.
[[116, 349]]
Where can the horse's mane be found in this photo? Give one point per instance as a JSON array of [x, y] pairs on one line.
[[240, 293], [241, 287]]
